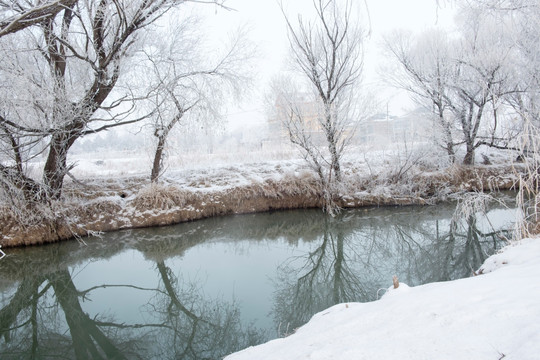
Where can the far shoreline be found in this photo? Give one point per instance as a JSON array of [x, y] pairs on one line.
[[103, 209]]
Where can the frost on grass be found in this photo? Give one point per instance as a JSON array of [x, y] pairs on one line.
[[106, 201], [159, 196]]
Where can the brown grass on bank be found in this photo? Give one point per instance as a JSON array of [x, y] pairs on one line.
[[304, 183], [160, 196], [162, 204]]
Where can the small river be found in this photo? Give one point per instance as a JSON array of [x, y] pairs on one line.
[[204, 289]]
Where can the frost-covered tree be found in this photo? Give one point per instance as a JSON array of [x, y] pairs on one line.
[[520, 20], [465, 77], [485, 76], [188, 85], [327, 53], [63, 77], [18, 15], [425, 69]]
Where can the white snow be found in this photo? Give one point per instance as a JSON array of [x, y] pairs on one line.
[[491, 316]]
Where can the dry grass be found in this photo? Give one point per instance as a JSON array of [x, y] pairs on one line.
[[28, 215], [106, 205], [95, 188], [160, 196], [529, 182], [94, 209], [305, 183]]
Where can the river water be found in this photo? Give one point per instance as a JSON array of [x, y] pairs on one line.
[[204, 289]]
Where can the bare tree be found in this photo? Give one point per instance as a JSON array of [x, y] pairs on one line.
[[484, 77], [425, 69], [465, 79], [188, 85], [328, 54], [521, 20], [71, 65]]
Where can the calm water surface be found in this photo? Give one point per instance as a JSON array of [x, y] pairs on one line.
[[204, 289]]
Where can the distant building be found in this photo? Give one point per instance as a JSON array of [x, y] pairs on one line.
[[377, 131], [383, 128], [305, 105], [310, 111]]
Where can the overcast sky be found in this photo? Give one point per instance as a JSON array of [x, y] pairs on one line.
[[268, 31]]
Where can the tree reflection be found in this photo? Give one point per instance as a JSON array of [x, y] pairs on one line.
[[88, 339], [32, 326], [325, 278], [464, 249], [24, 298], [44, 308], [353, 263], [44, 318], [201, 329]]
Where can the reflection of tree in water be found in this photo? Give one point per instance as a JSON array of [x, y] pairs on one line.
[[31, 326], [353, 263], [44, 318], [463, 249], [351, 257], [202, 329], [324, 279]]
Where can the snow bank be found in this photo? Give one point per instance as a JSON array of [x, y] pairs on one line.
[[492, 316]]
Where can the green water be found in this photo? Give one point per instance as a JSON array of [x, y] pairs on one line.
[[205, 289]]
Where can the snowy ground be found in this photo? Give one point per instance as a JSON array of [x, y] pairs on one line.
[[114, 164], [492, 316]]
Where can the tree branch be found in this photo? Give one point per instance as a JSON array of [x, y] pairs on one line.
[[33, 16]]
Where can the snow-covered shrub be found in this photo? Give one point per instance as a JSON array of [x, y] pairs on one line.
[[529, 184]]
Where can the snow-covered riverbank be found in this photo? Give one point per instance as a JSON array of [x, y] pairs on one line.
[[115, 193], [112, 203], [495, 315]]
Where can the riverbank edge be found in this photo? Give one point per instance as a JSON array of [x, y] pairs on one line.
[[167, 204], [466, 318]]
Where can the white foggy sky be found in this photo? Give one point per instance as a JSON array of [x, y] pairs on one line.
[[268, 31]]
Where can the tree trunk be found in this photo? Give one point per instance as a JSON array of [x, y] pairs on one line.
[[56, 166], [447, 134], [466, 119], [331, 139], [158, 159], [451, 153], [335, 162], [469, 155]]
